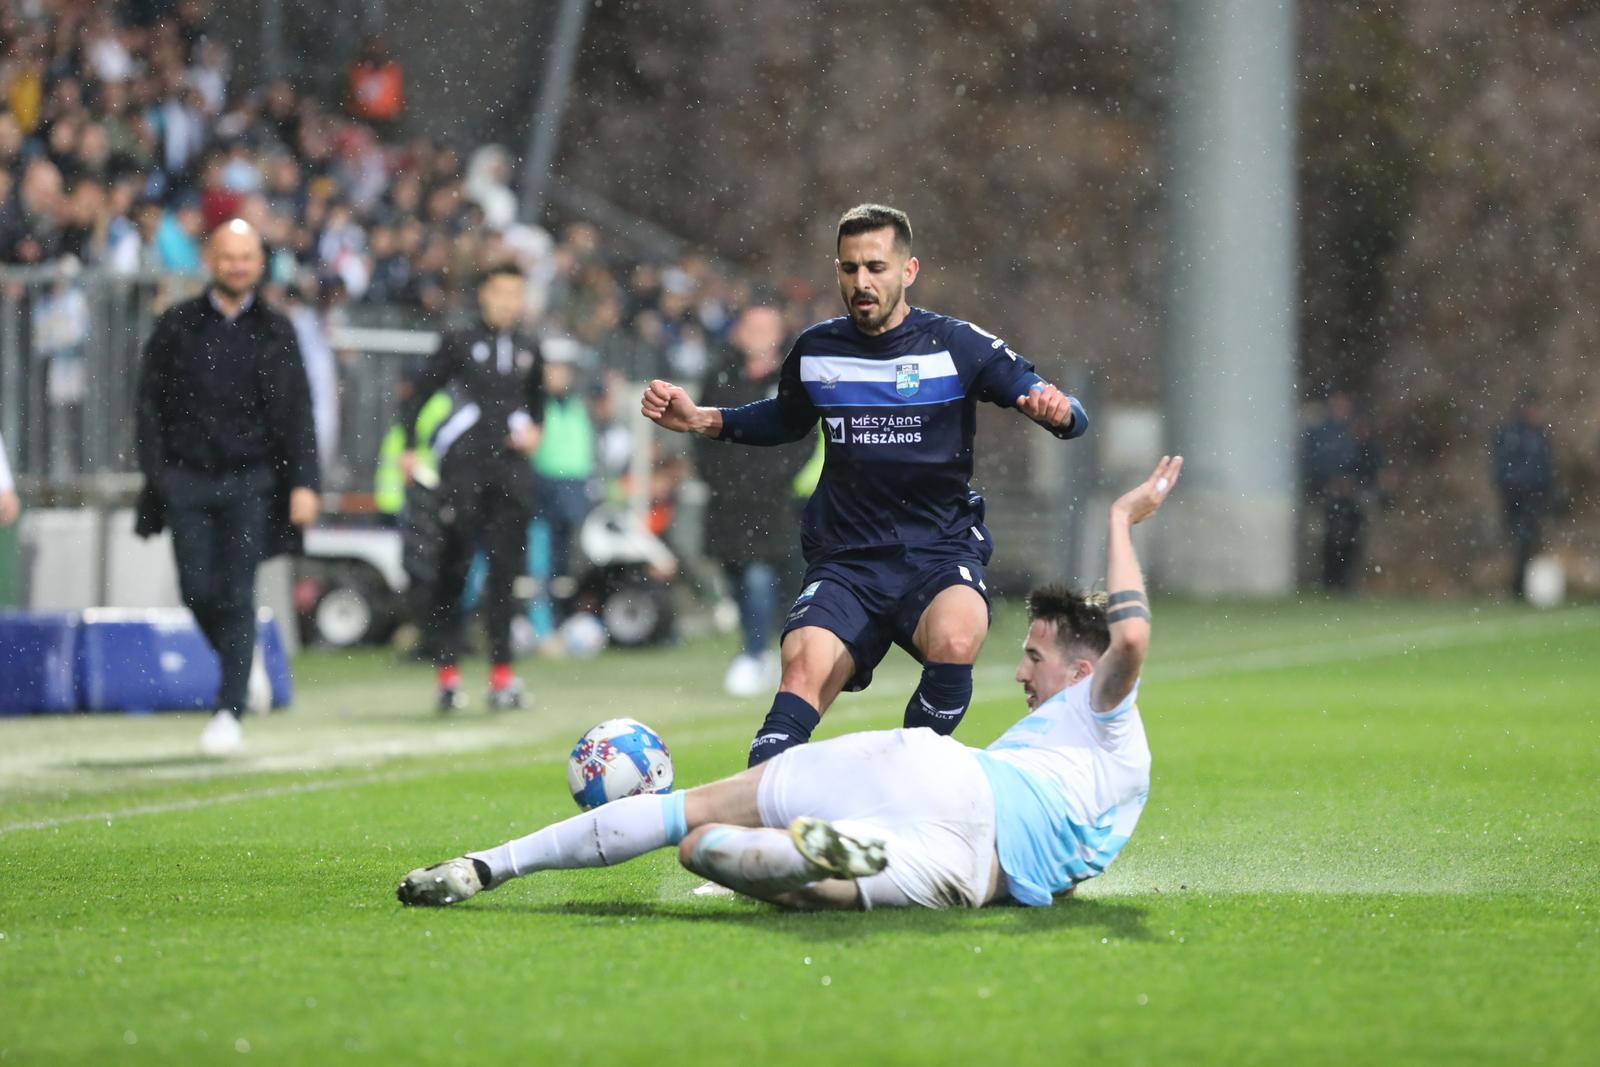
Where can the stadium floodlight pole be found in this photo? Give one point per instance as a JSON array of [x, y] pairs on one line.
[[545, 130], [1230, 347]]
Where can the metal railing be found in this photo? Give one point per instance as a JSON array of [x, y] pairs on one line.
[[70, 346], [69, 360]]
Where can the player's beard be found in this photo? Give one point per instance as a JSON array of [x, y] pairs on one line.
[[871, 319]]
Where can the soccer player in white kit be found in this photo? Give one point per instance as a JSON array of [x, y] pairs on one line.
[[899, 818]]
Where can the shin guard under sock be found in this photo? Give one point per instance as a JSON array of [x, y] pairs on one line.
[[942, 698], [789, 723]]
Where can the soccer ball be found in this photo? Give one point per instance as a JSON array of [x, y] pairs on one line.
[[619, 758], [582, 636]]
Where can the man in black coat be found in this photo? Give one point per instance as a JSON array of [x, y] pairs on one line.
[[229, 454], [1342, 463], [749, 528], [1525, 474], [485, 475]]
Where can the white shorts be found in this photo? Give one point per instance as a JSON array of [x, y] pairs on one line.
[[922, 793]]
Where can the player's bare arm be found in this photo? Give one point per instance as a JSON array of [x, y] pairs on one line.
[[1128, 609], [669, 407]]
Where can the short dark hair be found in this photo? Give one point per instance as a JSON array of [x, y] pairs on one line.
[[1079, 618], [864, 218], [497, 270]]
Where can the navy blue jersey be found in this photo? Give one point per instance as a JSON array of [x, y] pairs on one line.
[[897, 413]]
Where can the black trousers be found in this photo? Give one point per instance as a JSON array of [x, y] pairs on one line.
[[487, 502], [219, 535], [1522, 523], [1342, 524]]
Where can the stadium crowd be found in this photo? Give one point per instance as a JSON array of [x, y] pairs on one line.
[[125, 139]]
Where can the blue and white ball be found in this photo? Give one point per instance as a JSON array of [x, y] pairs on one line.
[[619, 758]]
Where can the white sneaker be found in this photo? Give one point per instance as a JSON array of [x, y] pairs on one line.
[[835, 852], [771, 670], [746, 677], [223, 736], [444, 883]]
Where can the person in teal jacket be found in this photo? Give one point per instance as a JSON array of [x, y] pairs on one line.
[[564, 464]]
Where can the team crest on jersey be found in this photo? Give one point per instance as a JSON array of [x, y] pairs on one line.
[[907, 379]]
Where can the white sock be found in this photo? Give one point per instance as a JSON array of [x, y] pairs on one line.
[[612, 833], [758, 862]]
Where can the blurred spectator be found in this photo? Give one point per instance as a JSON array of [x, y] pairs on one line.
[[564, 465], [30, 221], [377, 85], [60, 335], [108, 56], [305, 308], [1342, 464], [177, 238], [23, 78], [180, 125], [488, 186], [748, 519], [1525, 474]]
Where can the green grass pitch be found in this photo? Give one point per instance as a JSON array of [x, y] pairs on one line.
[[1373, 837]]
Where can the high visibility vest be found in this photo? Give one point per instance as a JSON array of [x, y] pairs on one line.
[[389, 481]]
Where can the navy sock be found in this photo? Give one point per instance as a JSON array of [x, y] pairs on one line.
[[789, 723], [942, 698]]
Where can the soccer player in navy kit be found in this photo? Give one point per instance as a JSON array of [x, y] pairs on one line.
[[893, 536]]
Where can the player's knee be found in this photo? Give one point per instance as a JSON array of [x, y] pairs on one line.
[[687, 846], [955, 647]]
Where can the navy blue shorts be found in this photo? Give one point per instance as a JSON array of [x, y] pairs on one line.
[[871, 598]]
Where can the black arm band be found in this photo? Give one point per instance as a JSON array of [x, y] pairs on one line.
[[1127, 596], [1132, 611]]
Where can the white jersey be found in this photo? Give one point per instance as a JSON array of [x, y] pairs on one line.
[[1069, 785]]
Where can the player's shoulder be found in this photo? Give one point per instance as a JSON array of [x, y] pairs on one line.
[[834, 331], [958, 336]]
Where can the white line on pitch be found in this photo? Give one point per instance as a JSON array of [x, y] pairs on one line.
[[1261, 660]]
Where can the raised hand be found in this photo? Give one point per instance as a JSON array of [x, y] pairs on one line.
[[1143, 500]]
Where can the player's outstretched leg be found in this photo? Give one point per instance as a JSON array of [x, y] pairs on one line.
[[449, 882], [776, 865], [612, 833], [836, 853]]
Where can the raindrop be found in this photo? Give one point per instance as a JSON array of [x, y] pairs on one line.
[[827, 980]]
